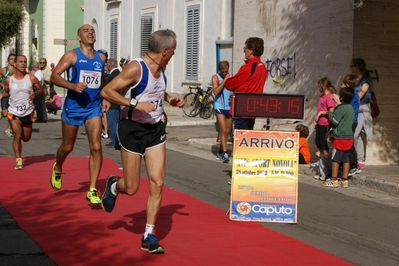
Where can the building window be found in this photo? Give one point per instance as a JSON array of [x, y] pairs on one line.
[[113, 49], [147, 28], [192, 49]]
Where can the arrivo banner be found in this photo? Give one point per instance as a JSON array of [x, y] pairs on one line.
[[264, 184]]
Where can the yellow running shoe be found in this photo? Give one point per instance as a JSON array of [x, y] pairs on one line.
[[55, 179], [92, 196], [19, 164]]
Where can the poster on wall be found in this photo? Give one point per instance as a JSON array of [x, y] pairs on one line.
[[264, 184]]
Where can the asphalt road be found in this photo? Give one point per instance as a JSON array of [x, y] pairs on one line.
[[349, 224]]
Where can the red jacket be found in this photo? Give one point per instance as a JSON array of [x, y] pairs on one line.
[[244, 81]]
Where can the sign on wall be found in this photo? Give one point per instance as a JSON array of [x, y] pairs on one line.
[[264, 184]]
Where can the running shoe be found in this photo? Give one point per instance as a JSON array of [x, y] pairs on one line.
[[225, 157], [55, 179], [151, 245], [330, 183], [219, 156], [354, 171], [19, 164], [104, 136], [83, 132], [344, 184], [9, 133], [92, 196], [108, 199], [229, 181]]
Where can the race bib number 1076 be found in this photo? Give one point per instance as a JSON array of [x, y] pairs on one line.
[[91, 78]]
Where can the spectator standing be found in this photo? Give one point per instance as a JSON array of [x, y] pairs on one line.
[[113, 112], [47, 75], [6, 72], [364, 88], [250, 78], [342, 134], [325, 105], [39, 98], [222, 108]]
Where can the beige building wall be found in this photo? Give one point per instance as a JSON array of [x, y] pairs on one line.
[[376, 39], [53, 28], [306, 40]]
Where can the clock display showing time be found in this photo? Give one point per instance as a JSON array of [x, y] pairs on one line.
[[290, 106]]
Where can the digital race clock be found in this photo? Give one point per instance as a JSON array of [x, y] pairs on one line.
[[289, 106]]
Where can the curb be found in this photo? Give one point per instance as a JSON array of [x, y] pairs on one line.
[[367, 179]]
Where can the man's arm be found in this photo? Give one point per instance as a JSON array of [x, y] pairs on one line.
[[66, 61], [234, 82], [6, 90], [127, 78]]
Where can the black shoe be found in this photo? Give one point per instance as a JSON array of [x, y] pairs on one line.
[[109, 145], [41, 121], [108, 199], [151, 245]]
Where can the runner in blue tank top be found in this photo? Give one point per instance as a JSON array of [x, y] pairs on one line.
[[82, 106]]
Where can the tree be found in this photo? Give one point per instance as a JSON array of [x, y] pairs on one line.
[[11, 18]]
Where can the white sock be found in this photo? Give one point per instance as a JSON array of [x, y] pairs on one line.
[[113, 189], [149, 228]]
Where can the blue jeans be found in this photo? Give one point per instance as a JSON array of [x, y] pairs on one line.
[[112, 120]]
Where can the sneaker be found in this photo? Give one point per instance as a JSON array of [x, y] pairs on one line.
[[219, 156], [354, 171], [330, 183], [344, 184], [104, 136], [361, 164], [9, 133], [151, 245], [225, 157], [83, 132], [319, 177], [92, 196], [19, 164], [229, 181], [314, 165], [55, 179], [108, 199]]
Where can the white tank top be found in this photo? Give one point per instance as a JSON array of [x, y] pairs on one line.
[[148, 89], [19, 102]]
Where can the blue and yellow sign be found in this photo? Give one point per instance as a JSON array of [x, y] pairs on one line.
[[265, 176]]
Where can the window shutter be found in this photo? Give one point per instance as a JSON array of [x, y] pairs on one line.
[[146, 31], [192, 52], [113, 51]]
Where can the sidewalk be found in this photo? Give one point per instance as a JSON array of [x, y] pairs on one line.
[[380, 177]]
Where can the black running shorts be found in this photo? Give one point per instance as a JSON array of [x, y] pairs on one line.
[[136, 138]]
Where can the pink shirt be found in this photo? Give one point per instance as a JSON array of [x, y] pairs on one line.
[[57, 100], [325, 102]]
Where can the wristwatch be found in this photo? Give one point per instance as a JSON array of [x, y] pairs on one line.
[[133, 103]]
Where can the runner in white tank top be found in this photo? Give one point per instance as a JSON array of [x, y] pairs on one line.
[[20, 90]]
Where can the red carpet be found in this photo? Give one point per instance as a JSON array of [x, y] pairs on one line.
[[192, 232]]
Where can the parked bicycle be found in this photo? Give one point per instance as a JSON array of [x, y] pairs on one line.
[[199, 102]]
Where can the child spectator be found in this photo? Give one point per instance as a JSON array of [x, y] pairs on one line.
[[325, 105], [341, 119], [304, 151], [54, 102]]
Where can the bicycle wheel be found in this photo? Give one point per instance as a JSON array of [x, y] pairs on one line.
[[192, 105], [207, 107]]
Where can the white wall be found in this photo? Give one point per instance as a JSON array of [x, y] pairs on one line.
[[216, 24]]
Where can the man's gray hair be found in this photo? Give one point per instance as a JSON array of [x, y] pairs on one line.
[[161, 39], [35, 64], [112, 62]]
